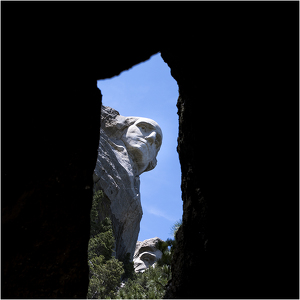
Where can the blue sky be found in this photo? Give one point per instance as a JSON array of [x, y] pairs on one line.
[[148, 90]]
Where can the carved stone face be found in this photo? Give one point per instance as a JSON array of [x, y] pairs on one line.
[[143, 140], [146, 257]]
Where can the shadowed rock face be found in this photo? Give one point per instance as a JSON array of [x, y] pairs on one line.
[[128, 147], [237, 74], [230, 159], [51, 138], [45, 220]]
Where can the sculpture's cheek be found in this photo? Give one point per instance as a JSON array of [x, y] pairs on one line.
[[139, 265]]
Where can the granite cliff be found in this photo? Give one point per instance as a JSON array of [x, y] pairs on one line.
[[128, 147]]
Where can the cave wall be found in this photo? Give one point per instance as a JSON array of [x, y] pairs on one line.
[[50, 135], [45, 213], [237, 75], [236, 140]]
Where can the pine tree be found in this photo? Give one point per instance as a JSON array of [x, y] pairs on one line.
[[128, 268], [147, 285], [151, 283], [105, 270], [95, 224], [105, 277], [102, 243], [167, 249], [175, 227]]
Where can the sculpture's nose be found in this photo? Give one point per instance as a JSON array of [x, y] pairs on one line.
[[151, 137]]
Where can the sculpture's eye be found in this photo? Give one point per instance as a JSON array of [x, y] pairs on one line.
[[143, 126], [148, 258]]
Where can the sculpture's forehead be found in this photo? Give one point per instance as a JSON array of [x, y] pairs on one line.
[[149, 122], [147, 249]]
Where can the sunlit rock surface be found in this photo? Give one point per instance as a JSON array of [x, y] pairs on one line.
[[146, 254], [128, 147]]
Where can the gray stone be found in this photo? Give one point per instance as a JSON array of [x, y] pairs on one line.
[[146, 254], [128, 147]]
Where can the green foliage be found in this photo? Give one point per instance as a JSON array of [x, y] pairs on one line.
[[101, 234], [151, 284], [175, 227], [95, 224], [147, 285], [103, 242], [105, 270], [167, 249], [128, 267], [105, 277]]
